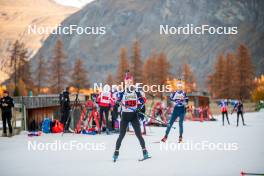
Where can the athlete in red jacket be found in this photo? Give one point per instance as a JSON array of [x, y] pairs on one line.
[[105, 103]]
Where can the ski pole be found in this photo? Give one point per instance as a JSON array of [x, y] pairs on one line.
[[149, 116], [156, 120], [151, 106], [245, 173], [146, 115]]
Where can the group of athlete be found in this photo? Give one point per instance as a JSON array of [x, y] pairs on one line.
[[238, 107], [132, 102]]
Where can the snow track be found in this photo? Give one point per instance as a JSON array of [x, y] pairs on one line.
[[16, 159]]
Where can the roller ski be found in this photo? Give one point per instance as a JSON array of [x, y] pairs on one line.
[[164, 139], [145, 156], [180, 140], [115, 156]]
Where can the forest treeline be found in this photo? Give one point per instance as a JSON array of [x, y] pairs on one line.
[[233, 75]]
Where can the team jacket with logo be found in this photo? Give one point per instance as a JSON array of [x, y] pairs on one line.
[[105, 99], [223, 104], [179, 97], [130, 100]]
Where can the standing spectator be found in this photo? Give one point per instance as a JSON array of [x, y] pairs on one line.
[[6, 104], [65, 109]]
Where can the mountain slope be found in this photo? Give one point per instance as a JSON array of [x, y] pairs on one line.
[[128, 20], [17, 15]]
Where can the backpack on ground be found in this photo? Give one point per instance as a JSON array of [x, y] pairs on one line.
[[46, 125], [57, 127]]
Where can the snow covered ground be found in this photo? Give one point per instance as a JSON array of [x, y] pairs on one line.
[[17, 159]]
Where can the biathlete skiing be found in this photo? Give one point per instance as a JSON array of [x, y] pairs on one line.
[[239, 107], [223, 104], [128, 99], [180, 100]]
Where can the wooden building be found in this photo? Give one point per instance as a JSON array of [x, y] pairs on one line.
[[39, 107]]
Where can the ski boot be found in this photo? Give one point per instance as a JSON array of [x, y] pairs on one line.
[[115, 156], [180, 139], [164, 139], [145, 155]]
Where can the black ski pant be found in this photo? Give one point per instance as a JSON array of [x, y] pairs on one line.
[[223, 118], [104, 112], [6, 117], [240, 113], [132, 118], [114, 115], [65, 119]]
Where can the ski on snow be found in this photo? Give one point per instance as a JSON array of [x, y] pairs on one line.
[[143, 159]]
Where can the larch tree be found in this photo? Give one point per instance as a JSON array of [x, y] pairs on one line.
[[162, 71], [21, 67], [41, 73], [136, 63], [163, 68], [189, 78], [245, 72], [230, 82], [233, 76], [123, 65], [58, 68], [79, 76], [109, 79], [217, 77], [149, 67]]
